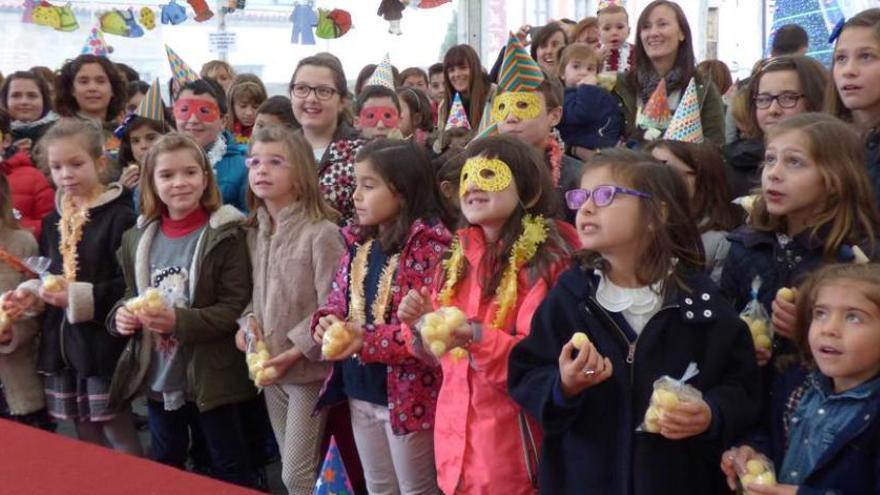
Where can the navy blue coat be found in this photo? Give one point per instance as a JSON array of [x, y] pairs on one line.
[[872, 159], [590, 444], [590, 118]]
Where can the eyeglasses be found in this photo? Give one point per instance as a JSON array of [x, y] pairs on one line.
[[270, 160], [602, 196], [321, 92], [785, 100]]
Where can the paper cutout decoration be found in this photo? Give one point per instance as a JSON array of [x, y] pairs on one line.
[[28, 16], [120, 23], [457, 116], [333, 479], [519, 72], [383, 76], [392, 11], [181, 72], [604, 4], [332, 24], [96, 45], [173, 13], [655, 114], [304, 19], [148, 18], [55, 17], [203, 12], [427, 4], [233, 5], [686, 124], [68, 19]]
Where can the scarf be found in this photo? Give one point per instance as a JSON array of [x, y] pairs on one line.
[[649, 80]]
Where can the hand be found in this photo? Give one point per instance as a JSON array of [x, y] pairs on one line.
[[589, 80], [522, 34], [734, 460], [687, 419], [585, 370], [755, 489], [355, 346], [414, 305], [250, 324], [324, 323], [784, 317], [130, 176], [17, 302], [57, 298], [161, 321], [126, 322], [6, 336], [763, 356], [282, 363]]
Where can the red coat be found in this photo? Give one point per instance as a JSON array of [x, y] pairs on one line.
[[32, 196]]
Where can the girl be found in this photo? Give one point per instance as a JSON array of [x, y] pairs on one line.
[[394, 248], [413, 77], [319, 95], [136, 92], [664, 51], [219, 71], [855, 97], [28, 100], [139, 136], [416, 120], [22, 387], [702, 169], [815, 207], [194, 252], [245, 98], [465, 76], [275, 111], [639, 293], [81, 238], [292, 238], [824, 434], [500, 267]]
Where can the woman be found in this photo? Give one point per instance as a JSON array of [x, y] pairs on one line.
[[463, 75], [546, 45]]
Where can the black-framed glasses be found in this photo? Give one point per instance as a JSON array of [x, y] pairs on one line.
[[602, 196], [785, 100], [321, 92]]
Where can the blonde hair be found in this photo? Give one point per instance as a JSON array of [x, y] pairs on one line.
[[584, 24], [848, 204], [578, 51], [151, 205], [305, 176], [212, 65], [88, 133]]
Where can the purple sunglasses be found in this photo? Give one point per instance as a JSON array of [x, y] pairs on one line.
[[602, 196]]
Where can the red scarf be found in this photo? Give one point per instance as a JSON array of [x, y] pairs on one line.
[[184, 226]]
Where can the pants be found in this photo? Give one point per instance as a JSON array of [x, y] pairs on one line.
[[298, 433], [222, 429], [392, 464]]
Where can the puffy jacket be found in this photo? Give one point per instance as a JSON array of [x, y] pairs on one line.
[[32, 196]]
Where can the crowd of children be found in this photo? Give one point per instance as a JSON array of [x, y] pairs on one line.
[[596, 268]]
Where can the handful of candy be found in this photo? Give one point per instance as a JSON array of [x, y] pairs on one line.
[[150, 301], [757, 319], [256, 357], [668, 394], [758, 470], [40, 266], [436, 330], [5, 325], [336, 339]]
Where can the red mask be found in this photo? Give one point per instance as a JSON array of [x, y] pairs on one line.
[[204, 110], [371, 116]]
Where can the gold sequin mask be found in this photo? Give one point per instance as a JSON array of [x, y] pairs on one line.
[[486, 174], [522, 105]]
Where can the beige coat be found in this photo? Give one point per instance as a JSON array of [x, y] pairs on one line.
[[293, 270], [18, 359]]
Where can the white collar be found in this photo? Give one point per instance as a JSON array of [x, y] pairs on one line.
[[641, 300], [216, 151]]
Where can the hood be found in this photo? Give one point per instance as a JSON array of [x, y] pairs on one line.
[[20, 159], [114, 191]]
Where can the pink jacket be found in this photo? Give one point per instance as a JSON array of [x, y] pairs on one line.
[[479, 442]]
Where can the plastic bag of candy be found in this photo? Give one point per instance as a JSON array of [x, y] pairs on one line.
[[668, 394], [757, 319]]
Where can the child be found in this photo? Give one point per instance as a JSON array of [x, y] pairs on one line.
[[219, 71], [22, 387], [413, 77], [244, 99], [416, 121], [275, 111], [293, 238], [824, 435], [395, 247], [639, 293], [139, 136], [194, 252], [618, 54], [815, 207], [590, 117], [702, 170], [135, 92], [500, 267], [436, 78], [32, 196], [81, 237], [378, 112]]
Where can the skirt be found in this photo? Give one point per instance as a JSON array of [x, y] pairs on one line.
[[69, 396]]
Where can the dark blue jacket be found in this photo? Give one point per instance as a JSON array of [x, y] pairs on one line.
[[590, 118], [590, 444], [850, 466], [872, 158]]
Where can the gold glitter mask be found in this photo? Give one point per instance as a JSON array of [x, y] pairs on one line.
[[522, 105], [486, 174]]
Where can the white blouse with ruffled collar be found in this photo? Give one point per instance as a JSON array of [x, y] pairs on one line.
[[637, 305]]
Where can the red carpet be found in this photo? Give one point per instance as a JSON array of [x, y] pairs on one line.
[[34, 462]]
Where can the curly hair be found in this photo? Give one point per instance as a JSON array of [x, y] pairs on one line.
[[65, 102]]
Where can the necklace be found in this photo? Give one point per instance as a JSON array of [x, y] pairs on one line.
[[73, 219], [357, 302]]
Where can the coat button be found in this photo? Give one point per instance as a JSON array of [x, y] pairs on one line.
[[689, 315], [705, 297], [688, 301], [707, 313]]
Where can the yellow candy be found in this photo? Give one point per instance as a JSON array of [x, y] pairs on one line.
[[758, 327], [579, 340], [438, 348], [458, 353], [263, 356], [747, 319], [265, 375], [747, 479], [261, 346], [251, 359], [766, 478], [336, 339], [763, 342], [433, 319], [785, 294], [755, 467], [52, 283], [665, 399], [455, 318]]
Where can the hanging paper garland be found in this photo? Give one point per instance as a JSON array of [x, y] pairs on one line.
[[203, 12], [148, 18], [332, 24], [58, 18], [392, 11], [120, 23], [173, 13], [304, 19]]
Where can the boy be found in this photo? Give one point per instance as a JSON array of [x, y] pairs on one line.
[[613, 31], [378, 112]]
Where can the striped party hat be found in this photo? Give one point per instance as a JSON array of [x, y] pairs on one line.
[[151, 107], [179, 70], [382, 76], [518, 71], [686, 125]]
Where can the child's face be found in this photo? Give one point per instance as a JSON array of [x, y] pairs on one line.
[[487, 194], [313, 113], [547, 52], [179, 181], [142, 138], [590, 36], [92, 90], [198, 116], [614, 230], [460, 78], [857, 70], [245, 112], [378, 117], [661, 34], [375, 203], [73, 170], [133, 102], [526, 116], [405, 123], [264, 120], [790, 181], [613, 29], [577, 70], [270, 173], [415, 81], [436, 91], [681, 168], [222, 76], [845, 334], [785, 84], [24, 101]]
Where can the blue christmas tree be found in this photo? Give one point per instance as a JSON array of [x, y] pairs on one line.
[[817, 17]]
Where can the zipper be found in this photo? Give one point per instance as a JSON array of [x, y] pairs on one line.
[[63, 354]]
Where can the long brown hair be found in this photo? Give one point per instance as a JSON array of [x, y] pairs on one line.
[[339, 82], [246, 91], [684, 59], [301, 159], [672, 246], [151, 205], [848, 210], [870, 19], [480, 86]]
